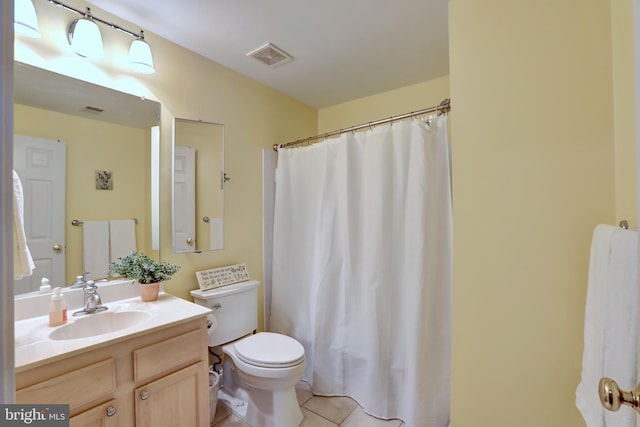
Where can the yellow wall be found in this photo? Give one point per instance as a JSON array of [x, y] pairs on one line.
[[624, 111], [188, 86], [533, 173], [386, 104], [95, 145]]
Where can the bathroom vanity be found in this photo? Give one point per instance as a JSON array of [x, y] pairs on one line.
[[150, 373]]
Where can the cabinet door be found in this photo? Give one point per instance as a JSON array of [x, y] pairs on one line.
[[105, 415], [179, 399], [97, 382]]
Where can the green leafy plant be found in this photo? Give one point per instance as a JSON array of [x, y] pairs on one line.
[[141, 268]]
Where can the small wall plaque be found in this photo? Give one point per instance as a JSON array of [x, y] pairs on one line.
[[104, 180], [216, 277]]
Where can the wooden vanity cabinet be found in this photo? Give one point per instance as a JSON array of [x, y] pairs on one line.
[[155, 379]]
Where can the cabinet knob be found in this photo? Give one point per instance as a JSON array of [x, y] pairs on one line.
[[111, 411], [144, 395]]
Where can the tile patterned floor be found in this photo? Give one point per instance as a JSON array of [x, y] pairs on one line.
[[318, 411]]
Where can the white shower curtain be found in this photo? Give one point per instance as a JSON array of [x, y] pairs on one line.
[[362, 267]]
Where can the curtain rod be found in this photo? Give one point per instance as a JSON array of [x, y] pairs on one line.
[[442, 108]]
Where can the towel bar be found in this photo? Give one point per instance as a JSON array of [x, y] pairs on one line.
[[77, 223]]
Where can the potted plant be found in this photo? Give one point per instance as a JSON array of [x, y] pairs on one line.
[[147, 272]]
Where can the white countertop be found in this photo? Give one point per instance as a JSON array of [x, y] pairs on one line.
[[34, 347]]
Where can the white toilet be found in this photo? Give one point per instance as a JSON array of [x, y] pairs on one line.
[[260, 370]]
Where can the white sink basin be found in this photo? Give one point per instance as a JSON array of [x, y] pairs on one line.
[[98, 324]]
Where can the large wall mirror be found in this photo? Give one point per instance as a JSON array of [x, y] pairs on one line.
[[198, 184], [86, 156]]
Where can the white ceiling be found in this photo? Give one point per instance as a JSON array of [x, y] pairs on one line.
[[342, 49]]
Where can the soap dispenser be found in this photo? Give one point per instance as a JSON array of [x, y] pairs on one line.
[[57, 308], [45, 287]]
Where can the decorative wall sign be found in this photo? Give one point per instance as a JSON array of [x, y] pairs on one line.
[[216, 277], [104, 180]]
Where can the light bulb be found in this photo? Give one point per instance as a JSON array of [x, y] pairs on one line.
[[140, 58], [85, 38], [25, 21]]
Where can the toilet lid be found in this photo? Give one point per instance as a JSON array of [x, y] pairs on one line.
[[270, 350]]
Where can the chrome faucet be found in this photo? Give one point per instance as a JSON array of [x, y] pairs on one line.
[[92, 300], [91, 297]]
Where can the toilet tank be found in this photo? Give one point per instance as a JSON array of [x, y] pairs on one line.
[[235, 308]]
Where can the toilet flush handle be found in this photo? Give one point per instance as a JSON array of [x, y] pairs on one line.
[[217, 306]]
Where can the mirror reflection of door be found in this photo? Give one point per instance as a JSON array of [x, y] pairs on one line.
[[184, 204], [40, 164], [206, 139]]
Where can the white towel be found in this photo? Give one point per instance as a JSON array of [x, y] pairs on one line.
[[621, 314], [95, 248], [216, 233], [122, 238], [610, 324], [23, 264]]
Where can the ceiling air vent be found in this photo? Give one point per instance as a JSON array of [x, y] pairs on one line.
[[271, 55]]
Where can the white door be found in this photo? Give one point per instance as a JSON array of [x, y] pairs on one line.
[[184, 199], [40, 164]]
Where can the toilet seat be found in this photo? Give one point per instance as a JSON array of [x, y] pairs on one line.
[[270, 350]]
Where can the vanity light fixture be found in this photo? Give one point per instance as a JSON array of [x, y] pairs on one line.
[[140, 58], [85, 38], [25, 20]]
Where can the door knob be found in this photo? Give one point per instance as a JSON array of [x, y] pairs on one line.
[[57, 248], [189, 241], [613, 398]]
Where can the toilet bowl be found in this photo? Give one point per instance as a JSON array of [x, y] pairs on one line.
[[260, 375]]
